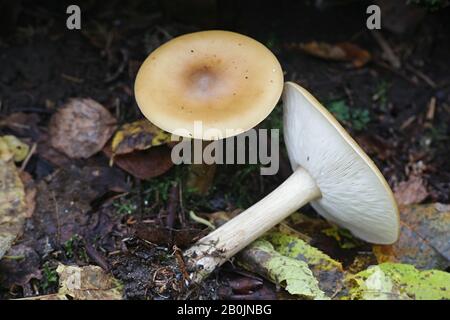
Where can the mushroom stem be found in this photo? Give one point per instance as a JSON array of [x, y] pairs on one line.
[[217, 247]]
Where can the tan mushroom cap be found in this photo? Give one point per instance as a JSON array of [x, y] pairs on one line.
[[355, 194], [223, 79]]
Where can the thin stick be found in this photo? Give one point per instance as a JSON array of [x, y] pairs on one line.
[[389, 54], [29, 155]]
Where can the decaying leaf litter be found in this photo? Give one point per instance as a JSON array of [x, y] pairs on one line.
[[71, 208]]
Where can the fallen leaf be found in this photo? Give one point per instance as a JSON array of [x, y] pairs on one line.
[[138, 135], [240, 285], [19, 266], [50, 154], [84, 283], [200, 178], [328, 271], [12, 202], [145, 164], [423, 240], [354, 53], [88, 283], [399, 281], [24, 124], [244, 285], [293, 274], [182, 238], [81, 128], [411, 191], [319, 233], [343, 237], [30, 192], [12, 147], [343, 51], [379, 286]]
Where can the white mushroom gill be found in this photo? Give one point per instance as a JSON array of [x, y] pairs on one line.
[[354, 194]]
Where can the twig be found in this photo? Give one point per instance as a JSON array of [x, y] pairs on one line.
[[96, 256], [431, 109], [172, 207], [58, 225], [388, 53], [29, 155], [349, 95], [141, 199], [395, 71], [120, 68], [422, 76], [181, 213], [197, 219], [180, 261], [71, 78]]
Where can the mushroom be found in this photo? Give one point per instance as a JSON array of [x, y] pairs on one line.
[[330, 171], [226, 80]]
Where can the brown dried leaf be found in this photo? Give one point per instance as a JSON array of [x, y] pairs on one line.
[[200, 178], [145, 164], [20, 265], [164, 236], [47, 152], [30, 192], [343, 51], [412, 191], [24, 124], [423, 238], [81, 128], [88, 283]]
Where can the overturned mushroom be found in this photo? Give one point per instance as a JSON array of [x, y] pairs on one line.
[[330, 171], [226, 80]]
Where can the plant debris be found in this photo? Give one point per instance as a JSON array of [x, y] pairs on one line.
[[391, 281], [344, 51], [81, 128], [423, 238], [145, 164], [138, 135], [412, 191], [12, 194], [295, 275]]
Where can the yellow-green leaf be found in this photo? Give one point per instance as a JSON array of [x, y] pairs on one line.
[[293, 274], [328, 271], [12, 204], [138, 135], [12, 147], [399, 281]]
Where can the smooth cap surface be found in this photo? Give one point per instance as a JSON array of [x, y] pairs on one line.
[[223, 79], [355, 194]]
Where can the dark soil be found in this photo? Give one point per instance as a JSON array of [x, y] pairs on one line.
[[42, 64]]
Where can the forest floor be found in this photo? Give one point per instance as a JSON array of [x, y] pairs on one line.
[[88, 213]]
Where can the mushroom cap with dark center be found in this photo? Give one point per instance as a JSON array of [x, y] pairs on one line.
[[355, 194], [223, 79]]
